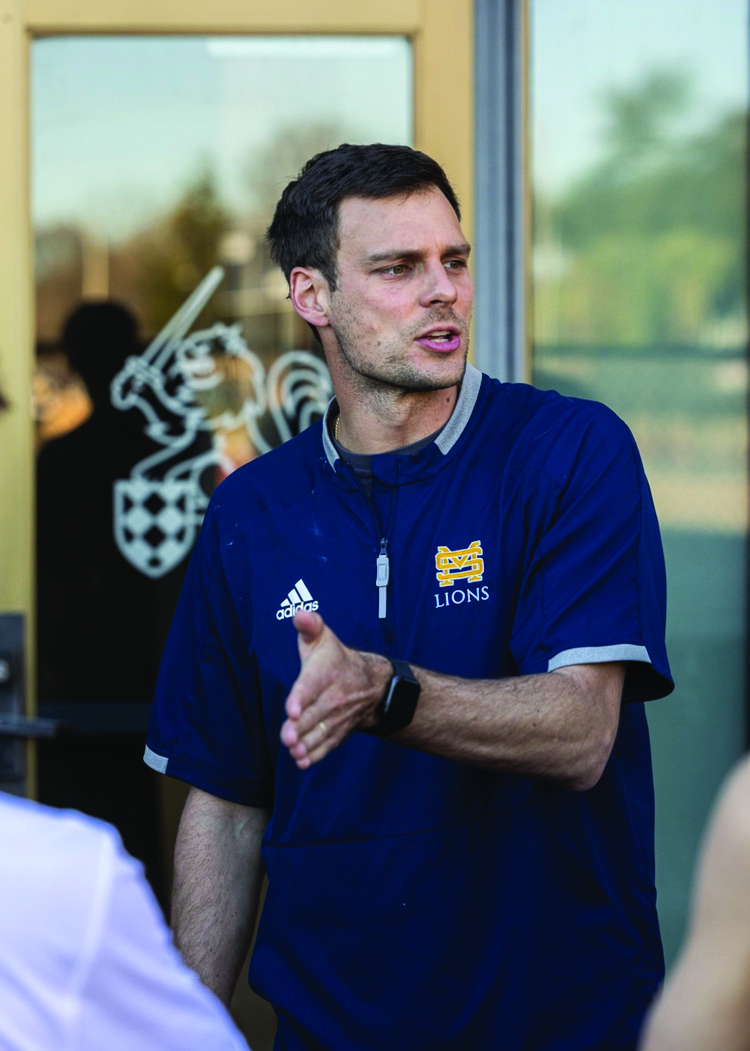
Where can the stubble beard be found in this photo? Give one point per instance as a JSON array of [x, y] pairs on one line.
[[391, 374]]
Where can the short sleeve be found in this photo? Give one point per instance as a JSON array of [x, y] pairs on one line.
[[594, 584], [206, 725]]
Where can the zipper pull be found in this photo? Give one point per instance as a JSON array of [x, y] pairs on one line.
[[381, 578]]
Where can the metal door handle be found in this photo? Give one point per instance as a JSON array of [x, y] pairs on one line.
[[26, 726]]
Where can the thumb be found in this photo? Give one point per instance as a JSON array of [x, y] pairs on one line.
[[310, 627]]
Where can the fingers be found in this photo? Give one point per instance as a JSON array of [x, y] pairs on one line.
[[321, 712], [309, 733], [311, 634], [313, 745], [316, 722], [319, 651], [314, 680], [332, 695]]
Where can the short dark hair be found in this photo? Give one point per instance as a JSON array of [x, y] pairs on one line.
[[304, 230]]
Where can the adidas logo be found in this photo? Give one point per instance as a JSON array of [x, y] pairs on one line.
[[298, 598]]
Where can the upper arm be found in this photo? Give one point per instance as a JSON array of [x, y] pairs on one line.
[[207, 725], [593, 585], [603, 682]]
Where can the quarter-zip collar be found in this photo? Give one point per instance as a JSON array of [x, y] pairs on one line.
[[384, 465]]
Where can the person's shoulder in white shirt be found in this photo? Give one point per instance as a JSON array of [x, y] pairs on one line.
[[86, 960]]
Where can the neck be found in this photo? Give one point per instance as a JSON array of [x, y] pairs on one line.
[[374, 428]]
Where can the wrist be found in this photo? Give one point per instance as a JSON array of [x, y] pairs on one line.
[[398, 702], [379, 674]]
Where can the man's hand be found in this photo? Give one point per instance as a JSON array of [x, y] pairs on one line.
[[559, 725], [336, 691]]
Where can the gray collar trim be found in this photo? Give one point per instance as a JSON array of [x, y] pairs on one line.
[[449, 435], [330, 449], [463, 409]]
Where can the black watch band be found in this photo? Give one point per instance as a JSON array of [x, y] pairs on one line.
[[399, 702]]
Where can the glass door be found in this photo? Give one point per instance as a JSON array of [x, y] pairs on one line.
[[167, 351], [141, 153], [140, 158]]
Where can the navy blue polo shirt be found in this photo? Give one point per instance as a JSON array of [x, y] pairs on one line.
[[415, 901]]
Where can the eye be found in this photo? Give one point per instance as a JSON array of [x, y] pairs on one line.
[[396, 270], [456, 264]]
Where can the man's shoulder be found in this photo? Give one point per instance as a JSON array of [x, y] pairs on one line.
[[276, 474], [546, 430], [527, 402]]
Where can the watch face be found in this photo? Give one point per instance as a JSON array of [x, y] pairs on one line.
[[400, 702]]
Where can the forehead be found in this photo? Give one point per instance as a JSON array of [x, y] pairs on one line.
[[408, 222]]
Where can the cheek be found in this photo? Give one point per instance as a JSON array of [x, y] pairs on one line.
[[466, 300], [380, 317], [383, 317]]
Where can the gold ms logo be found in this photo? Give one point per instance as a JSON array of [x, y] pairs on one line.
[[467, 564]]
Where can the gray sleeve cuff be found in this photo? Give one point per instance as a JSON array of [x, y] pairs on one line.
[[155, 761], [599, 655]]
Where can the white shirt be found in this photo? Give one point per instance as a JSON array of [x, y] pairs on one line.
[[86, 960]]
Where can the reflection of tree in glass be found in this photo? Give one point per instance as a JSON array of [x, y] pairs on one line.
[[639, 295], [643, 122], [646, 247], [280, 160], [152, 271], [175, 254], [58, 267]]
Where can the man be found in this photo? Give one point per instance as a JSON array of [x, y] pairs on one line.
[[86, 960], [706, 1000], [459, 849]]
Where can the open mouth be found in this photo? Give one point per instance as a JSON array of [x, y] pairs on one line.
[[440, 339]]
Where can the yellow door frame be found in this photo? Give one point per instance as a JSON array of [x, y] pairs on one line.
[[442, 36]]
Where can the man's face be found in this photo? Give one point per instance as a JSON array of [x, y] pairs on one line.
[[401, 308]]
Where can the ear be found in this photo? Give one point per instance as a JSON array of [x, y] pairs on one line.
[[310, 295]]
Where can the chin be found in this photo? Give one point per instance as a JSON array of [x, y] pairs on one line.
[[446, 373], [442, 379]]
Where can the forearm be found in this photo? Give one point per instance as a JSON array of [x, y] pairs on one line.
[[559, 725], [217, 882]]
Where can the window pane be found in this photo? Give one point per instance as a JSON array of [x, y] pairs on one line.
[[156, 166], [638, 133], [157, 163], [156, 158]]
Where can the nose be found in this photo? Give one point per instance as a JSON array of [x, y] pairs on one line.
[[439, 285]]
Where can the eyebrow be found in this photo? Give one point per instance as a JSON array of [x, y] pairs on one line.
[[464, 249]]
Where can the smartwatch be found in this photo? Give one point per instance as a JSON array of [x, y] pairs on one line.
[[399, 702]]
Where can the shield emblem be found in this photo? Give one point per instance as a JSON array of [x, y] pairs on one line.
[[154, 522]]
